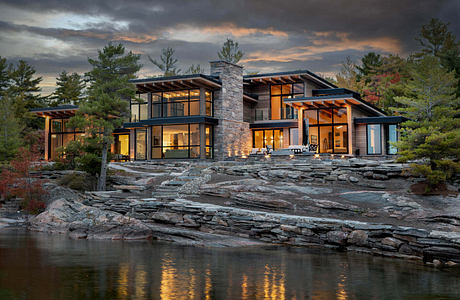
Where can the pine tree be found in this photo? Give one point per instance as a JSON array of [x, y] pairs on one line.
[[69, 89], [23, 90], [4, 76], [348, 76], [369, 63], [107, 107], [432, 136], [195, 70], [436, 39], [230, 52], [167, 62], [10, 130]]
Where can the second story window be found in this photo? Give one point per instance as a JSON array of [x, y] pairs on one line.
[[139, 108], [278, 92], [179, 103]]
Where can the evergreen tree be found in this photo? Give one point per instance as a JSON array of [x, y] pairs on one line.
[[69, 89], [10, 129], [195, 70], [23, 90], [369, 63], [107, 107], [432, 136], [4, 76], [436, 39], [230, 52], [348, 76], [167, 62]]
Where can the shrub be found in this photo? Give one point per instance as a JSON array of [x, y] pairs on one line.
[[78, 181]]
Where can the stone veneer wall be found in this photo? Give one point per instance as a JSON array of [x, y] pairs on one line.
[[232, 136]]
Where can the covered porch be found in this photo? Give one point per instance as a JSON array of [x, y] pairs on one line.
[[325, 120]]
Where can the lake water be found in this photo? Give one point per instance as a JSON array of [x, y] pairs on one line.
[[39, 266]]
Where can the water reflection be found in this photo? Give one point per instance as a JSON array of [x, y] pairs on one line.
[[49, 267]]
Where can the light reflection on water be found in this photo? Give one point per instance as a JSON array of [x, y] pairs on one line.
[[35, 266]]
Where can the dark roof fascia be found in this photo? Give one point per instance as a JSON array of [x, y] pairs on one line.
[[177, 77], [279, 124], [354, 95], [57, 108], [120, 131], [289, 100], [287, 73], [172, 120], [224, 61], [381, 120]]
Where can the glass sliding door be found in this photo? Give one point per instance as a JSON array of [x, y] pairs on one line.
[[141, 144], [374, 139], [392, 137], [268, 137]]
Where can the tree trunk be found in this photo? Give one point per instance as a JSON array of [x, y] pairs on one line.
[[103, 175]]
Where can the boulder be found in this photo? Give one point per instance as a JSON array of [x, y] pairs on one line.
[[81, 221], [337, 237], [358, 237], [392, 242]]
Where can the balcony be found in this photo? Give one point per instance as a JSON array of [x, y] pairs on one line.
[[285, 113]]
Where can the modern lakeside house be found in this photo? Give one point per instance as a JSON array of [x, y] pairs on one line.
[[227, 114]]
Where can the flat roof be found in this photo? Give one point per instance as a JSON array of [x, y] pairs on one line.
[[291, 73], [381, 120], [322, 101], [62, 111]]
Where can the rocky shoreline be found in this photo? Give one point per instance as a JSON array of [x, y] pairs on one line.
[[309, 203]]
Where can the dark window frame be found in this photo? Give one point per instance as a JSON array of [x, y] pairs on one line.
[[367, 140], [263, 136], [189, 146], [281, 95], [387, 138], [135, 143], [333, 125]]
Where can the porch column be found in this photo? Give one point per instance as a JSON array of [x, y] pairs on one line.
[[202, 102], [132, 143], [350, 129], [47, 137], [300, 125], [202, 128], [148, 151]]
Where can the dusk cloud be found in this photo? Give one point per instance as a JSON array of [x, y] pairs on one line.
[[275, 35]]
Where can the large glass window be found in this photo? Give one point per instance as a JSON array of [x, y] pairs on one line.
[[180, 141], [61, 133], [269, 137], [278, 92], [392, 137], [139, 107], [180, 103], [328, 129], [374, 139], [121, 146], [293, 136], [141, 142]]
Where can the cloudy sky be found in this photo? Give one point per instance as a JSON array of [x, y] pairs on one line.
[[57, 35]]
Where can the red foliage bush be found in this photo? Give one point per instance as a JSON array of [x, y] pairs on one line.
[[18, 181]]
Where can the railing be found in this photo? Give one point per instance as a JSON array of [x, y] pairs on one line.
[[286, 113]]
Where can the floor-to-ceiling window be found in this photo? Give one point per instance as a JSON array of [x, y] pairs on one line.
[[374, 139], [121, 146], [180, 141], [328, 129], [268, 137], [278, 92], [392, 137], [180, 103], [60, 135], [141, 144]]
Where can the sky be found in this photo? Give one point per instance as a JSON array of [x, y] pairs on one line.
[[318, 35]]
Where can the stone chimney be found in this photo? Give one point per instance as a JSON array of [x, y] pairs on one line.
[[232, 136]]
